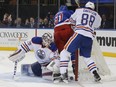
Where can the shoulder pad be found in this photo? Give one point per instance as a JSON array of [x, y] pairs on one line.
[[37, 40]]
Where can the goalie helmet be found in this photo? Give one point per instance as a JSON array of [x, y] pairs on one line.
[[90, 5], [46, 39]]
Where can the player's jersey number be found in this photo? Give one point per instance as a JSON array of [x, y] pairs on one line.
[[87, 19], [58, 18]]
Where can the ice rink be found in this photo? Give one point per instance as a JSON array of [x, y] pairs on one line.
[[7, 68]]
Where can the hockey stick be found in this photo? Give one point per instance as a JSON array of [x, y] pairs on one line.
[[15, 69], [77, 2], [16, 63]]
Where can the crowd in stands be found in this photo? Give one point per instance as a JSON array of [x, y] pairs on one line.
[[47, 22], [107, 22], [31, 22]]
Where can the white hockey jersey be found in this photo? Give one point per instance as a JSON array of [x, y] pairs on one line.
[[35, 44], [85, 21]]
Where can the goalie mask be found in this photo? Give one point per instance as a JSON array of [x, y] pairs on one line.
[[47, 39]]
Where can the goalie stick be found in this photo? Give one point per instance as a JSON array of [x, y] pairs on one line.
[[16, 63], [15, 69]]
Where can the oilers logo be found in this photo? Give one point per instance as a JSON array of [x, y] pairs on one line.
[[41, 54]]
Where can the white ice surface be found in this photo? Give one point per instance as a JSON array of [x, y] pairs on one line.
[[7, 68]]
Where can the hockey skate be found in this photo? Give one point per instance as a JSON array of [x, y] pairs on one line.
[[56, 78], [96, 76], [64, 77]]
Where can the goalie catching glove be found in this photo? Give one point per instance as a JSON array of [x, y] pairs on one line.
[[17, 56]]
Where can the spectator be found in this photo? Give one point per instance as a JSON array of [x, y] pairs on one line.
[[31, 22], [111, 21], [27, 23], [18, 23], [7, 20], [105, 22], [40, 24], [50, 18], [45, 23], [51, 21], [1, 25]]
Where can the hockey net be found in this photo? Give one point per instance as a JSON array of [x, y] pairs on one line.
[[82, 72]]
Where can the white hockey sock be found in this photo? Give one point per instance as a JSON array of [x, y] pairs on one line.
[[90, 64], [64, 60], [63, 70]]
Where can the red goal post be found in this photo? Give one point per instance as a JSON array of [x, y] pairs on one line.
[[76, 66]]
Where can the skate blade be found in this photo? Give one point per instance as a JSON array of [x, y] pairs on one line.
[[66, 81], [57, 81]]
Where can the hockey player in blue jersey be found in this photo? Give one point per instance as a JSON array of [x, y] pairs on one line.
[[45, 52], [62, 29]]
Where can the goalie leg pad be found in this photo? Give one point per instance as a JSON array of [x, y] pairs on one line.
[[26, 70], [36, 68], [54, 66]]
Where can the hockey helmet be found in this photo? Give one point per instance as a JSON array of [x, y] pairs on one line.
[[63, 7], [90, 5]]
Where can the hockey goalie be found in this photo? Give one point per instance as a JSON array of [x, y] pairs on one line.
[[46, 54]]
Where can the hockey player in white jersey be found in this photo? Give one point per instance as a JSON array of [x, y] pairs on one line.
[[45, 52], [85, 21]]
